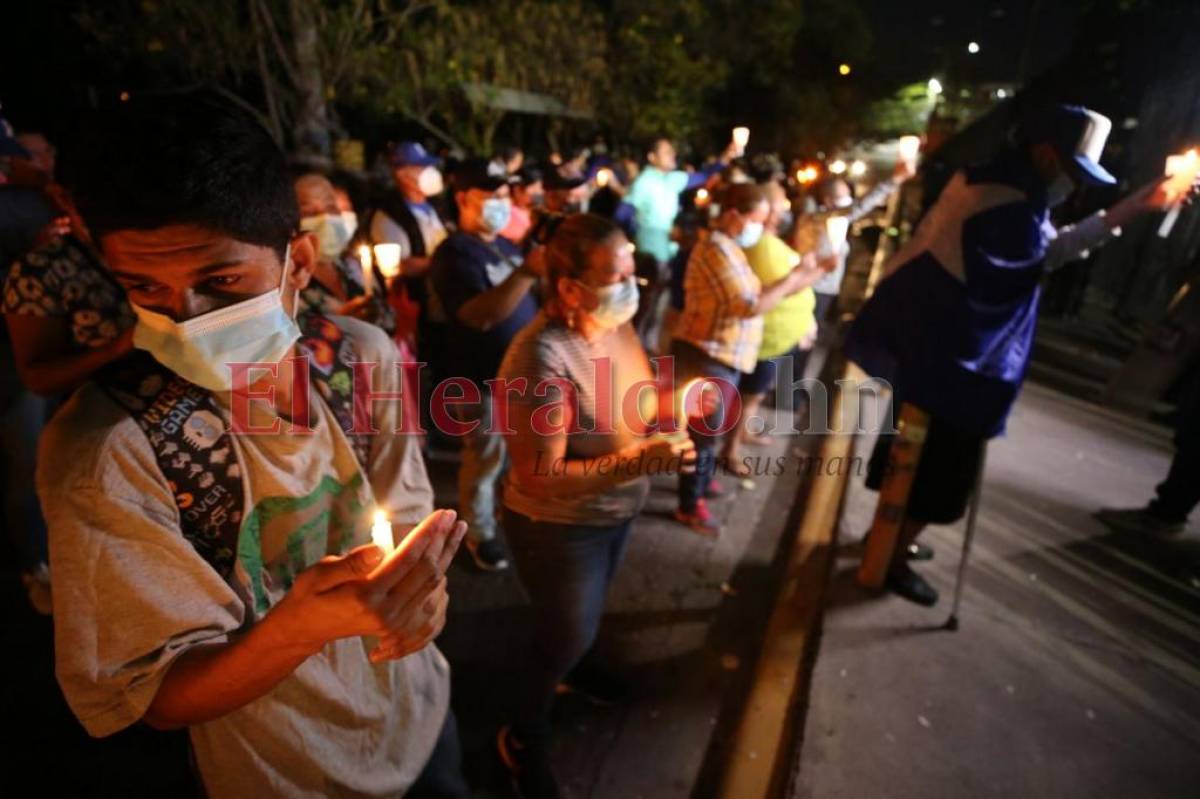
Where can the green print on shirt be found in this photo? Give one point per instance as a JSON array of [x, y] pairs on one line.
[[326, 523]]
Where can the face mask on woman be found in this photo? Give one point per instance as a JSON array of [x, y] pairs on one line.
[[750, 235], [618, 302], [257, 330], [333, 232], [495, 214]]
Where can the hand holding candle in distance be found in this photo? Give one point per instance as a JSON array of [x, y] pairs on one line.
[[1181, 173], [741, 137], [387, 257]]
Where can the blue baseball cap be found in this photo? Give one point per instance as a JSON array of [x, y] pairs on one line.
[[410, 153], [1078, 135], [8, 142]]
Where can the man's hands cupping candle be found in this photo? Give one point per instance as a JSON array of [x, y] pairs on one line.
[[399, 596]]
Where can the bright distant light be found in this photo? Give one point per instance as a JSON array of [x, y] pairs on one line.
[[837, 167], [858, 169], [973, 48], [1001, 94], [844, 69], [935, 86]]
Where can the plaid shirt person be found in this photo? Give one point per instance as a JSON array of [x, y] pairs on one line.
[[719, 294]]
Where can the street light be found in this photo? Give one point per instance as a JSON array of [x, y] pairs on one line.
[[858, 169], [973, 48], [844, 69], [837, 167], [935, 86]]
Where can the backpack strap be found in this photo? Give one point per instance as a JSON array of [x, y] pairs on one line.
[[193, 450], [330, 356]]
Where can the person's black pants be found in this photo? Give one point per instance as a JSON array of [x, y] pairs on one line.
[[442, 777], [1179, 494]]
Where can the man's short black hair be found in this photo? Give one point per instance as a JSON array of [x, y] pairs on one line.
[[187, 158]]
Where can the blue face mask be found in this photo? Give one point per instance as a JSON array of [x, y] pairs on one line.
[[333, 232], [495, 214], [618, 302], [750, 235], [258, 330]]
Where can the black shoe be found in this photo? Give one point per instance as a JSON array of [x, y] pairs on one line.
[[528, 767], [917, 551], [598, 686], [1139, 521], [905, 582], [488, 555]]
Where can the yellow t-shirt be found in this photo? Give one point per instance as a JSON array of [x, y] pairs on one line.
[[785, 324]]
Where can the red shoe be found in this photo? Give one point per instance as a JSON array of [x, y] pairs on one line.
[[700, 520], [714, 489]]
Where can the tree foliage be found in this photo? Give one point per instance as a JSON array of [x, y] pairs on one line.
[[688, 69]]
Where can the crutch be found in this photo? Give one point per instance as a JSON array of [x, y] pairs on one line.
[[972, 513]]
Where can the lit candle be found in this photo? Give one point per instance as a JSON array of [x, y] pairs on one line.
[[858, 169], [741, 137], [701, 197], [909, 147], [836, 228], [387, 256], [688, 403], [603, 176], [368, 274], [1182, 170], [837, 167], [381, 531]]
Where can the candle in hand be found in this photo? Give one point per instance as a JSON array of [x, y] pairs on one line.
[[910, 146], [387, 256], [381, 531], [741, 137]]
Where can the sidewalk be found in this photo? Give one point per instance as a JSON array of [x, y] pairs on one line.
[[1076, 671]]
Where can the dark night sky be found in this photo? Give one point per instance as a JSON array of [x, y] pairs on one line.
[[918, 38]]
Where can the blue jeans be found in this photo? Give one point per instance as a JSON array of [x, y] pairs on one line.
[[691, 362], [566, 570], [484, 459]]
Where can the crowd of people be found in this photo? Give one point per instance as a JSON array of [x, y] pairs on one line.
[[188, 316]]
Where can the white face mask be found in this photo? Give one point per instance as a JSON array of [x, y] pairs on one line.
[[618, 302], [750, 235], [430, 182], [333, 232], [258, 330]]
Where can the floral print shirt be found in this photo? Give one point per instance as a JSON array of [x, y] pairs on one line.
[[65, 279]]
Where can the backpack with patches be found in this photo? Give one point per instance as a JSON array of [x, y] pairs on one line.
[[195, 452]]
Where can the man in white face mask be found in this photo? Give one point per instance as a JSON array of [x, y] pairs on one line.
[[339, 284], [488, 294], [248, 624], [835, 198], [407, 215]]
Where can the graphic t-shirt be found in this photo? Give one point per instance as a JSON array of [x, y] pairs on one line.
[[131, 594]]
